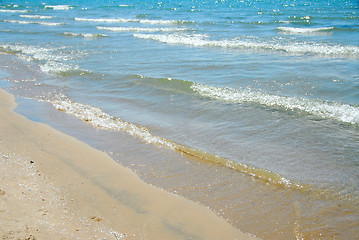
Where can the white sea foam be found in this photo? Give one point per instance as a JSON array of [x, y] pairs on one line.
[[296, 47], [36, 16], [58, 67], [85, 35], [108, 20], [161, 22], [52, 60], [342, 112], [99, 119], [138, 29], [59, 7], [124, 20], [32, 52], [33, 22], [304, 30], [13, 11]]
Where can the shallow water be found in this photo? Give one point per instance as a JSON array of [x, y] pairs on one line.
[[259, 89]]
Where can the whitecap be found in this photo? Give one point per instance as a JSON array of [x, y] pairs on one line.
[[138, 29], [85, 35], [13, 11], [304, 30], [108, 20], [33, 22], [58, 7], [36, 16]]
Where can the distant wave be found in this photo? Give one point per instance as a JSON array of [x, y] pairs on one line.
[[32, 22], [124, 20], [199, 40], [13, 11], [99, 119], [85, 35], [58, 7], [36, 16], [108, 20], [333, 110], [304, 30], [138, 29]]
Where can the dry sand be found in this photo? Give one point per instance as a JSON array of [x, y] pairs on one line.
[[53, 186]]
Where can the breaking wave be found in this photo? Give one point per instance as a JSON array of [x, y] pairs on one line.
[[324, 109], [333, 110]]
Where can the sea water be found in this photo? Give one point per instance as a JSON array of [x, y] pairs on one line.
[[269, 89]]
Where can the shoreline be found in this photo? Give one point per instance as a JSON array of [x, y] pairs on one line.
[[55, 186]]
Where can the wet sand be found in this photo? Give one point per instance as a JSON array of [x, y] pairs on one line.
[[53, 186]]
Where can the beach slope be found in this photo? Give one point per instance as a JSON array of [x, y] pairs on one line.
[[53, 186]]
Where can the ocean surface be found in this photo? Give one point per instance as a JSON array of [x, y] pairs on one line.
[[252, 104]]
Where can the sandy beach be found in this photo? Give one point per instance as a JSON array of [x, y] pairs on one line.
[[53, 186]]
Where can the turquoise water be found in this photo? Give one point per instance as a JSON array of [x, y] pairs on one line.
[[265, 85]]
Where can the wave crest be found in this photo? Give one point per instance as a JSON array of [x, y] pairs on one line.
[[324, 109], [13, 11], [341, 112], [137, 29], [198, 40], [125, 20], [59, 7], [37, 16], [304, 30], [85, 35], [32, 22]]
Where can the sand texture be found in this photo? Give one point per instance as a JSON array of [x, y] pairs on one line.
[[53, 186]]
